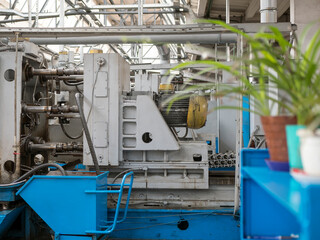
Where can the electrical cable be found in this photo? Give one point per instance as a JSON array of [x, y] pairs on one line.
[[92, 93], [87, 133], [68, 135], [79, 91], [11, 184], [116, 177], [185, 134], [45, 165]]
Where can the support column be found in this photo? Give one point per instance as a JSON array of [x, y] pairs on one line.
[[304, 13]]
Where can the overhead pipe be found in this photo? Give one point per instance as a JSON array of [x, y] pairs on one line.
[[204, 38], [228, 22], [61, 20], [268, 11]]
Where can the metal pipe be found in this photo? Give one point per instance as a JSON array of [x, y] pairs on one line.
[[228, 22], [56, 71], [41, 147], [29, 12], [163, 38], [37, 13], [36, 109], [56, 9], [87, 133], [53, 146], [50, 109], [268, 11], [61, 19], [140, 12], [227, 11]]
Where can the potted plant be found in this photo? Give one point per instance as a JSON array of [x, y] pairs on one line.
[[273, 69]]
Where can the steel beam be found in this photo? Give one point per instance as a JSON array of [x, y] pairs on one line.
[[135, 6], [252, 9], [201, 8]]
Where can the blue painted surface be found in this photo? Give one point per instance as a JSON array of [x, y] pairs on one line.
[[217, 145], [68, 237], [58, 200], [246, 120], [222, 169], [7, 217], [74, 205], [8, 193], [274, 204], [163, 224]]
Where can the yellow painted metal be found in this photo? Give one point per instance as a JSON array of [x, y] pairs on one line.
[[197, 112], [166, 87], [96, 51], [63, 53]]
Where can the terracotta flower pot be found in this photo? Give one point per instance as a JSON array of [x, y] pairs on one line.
[[275, 131]]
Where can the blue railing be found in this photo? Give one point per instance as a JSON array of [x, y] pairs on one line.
[[122, 185]]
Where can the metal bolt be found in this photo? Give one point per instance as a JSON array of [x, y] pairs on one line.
[[101, 61]]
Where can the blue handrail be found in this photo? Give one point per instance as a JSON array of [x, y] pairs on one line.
[[110, 228]]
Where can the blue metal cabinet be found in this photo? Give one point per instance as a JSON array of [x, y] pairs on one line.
[[274, 204]]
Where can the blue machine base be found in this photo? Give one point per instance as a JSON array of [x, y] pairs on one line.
[[164, 224]]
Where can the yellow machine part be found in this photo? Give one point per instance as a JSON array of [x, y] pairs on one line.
[[197, 112], [96, 51], [166, 87]]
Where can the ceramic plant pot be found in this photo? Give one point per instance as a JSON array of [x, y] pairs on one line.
[[275, 131], [293, 143], [310, 151]]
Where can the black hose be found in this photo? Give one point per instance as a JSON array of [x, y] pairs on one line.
[[11, 184], [72, 84], [87, 133], [186, 133], [68, 135], [77, 87], [45, 165]]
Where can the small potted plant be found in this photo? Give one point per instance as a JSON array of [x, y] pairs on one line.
[[274, 70]]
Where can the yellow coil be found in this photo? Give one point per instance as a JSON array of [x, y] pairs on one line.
[[197, 112]]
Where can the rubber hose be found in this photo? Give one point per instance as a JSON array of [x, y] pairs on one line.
[[45, 165]]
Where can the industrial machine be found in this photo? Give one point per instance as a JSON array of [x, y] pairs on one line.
[[47, 105]]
